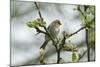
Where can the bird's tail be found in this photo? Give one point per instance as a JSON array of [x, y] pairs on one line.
[[44, 45]]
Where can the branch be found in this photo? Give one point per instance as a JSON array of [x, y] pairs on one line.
[[40, 15], [62, 43], [80, 57], [88, 47], [40, 31], [78, 8], [76, 31]]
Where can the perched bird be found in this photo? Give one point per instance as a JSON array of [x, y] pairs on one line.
[[53, 29]]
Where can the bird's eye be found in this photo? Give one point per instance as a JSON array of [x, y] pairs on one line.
[[59, 23]]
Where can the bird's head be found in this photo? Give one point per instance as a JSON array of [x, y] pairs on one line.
[[56, 23]]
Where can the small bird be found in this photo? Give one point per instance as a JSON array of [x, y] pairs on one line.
[[54, 29]]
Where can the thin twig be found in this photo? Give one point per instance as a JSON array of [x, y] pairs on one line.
[[76, 31], [40, 15], [80, 57], [60, 47], [40, 31]]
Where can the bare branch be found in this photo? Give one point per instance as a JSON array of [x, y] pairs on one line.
[[40, 15], [81, 56], [40, 31], [76, 31]]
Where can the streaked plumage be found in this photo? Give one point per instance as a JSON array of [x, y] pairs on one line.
[[53, 29]]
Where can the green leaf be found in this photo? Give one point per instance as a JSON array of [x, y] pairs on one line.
[[36, 24], [32, 24], [41, 23], [74, 57]]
